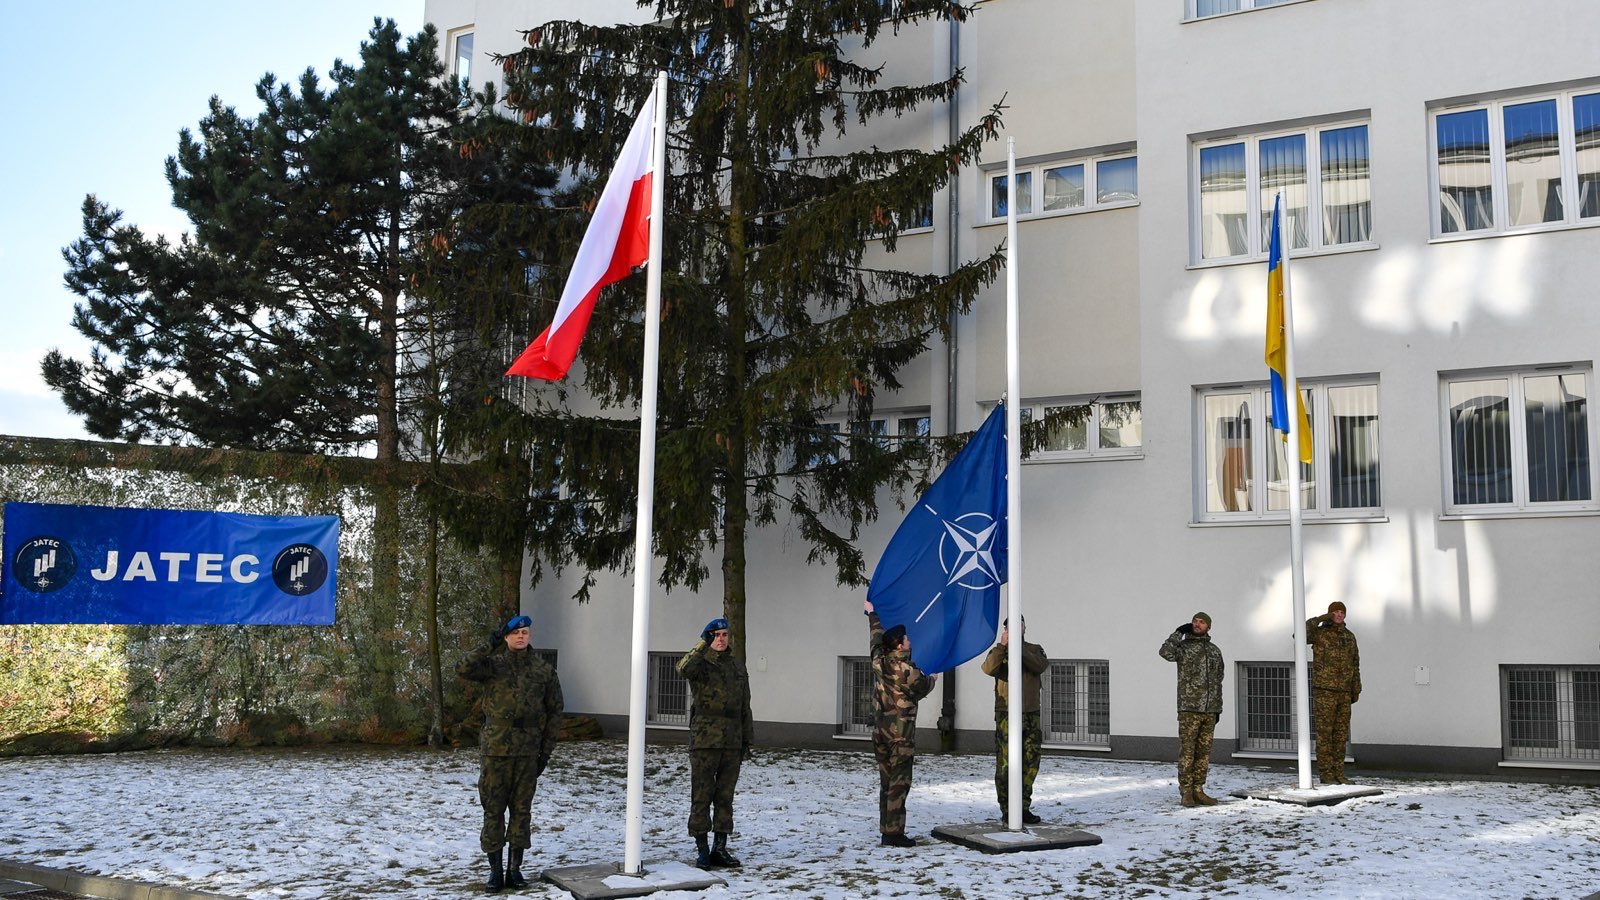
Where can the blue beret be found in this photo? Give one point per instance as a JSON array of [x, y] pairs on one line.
[[516, 622]]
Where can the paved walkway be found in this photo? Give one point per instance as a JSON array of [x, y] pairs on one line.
[[20, 881]]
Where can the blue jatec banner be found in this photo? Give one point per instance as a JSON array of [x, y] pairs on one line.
[[97, 564]]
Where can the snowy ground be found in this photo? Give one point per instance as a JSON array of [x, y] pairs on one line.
[[359, 822]]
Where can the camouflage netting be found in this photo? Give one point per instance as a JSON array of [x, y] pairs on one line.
[[94, 687]]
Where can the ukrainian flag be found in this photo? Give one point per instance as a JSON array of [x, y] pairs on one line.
[[1277, 340]]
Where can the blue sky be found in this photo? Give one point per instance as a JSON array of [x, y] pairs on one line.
[[93, 97]]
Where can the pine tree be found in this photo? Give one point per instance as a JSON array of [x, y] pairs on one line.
[[278, 323], [773, 320]]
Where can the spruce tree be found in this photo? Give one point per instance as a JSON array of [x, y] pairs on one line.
[[279, 321], [773, 319]]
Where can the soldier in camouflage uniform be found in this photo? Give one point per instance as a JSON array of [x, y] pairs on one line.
[[1200, 670], [1336, 681], [721, 731], [522, 709], [1034, 664], [898, 685]]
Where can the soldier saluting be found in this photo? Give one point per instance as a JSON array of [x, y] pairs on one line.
[[721, 731], [899, 684], [1200, 671], [1336, 678], [522, 709]]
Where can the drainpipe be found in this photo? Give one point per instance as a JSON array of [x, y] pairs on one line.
[[947, 712]]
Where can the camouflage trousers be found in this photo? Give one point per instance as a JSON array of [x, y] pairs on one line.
[[1195, 731], [505, 784], [713, 775], [894, 782], [1032, 742], [1330, 714]]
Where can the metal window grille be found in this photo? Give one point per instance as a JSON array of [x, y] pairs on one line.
[[669, 691], [549, 656], [1077, 700], [1551, 712], [856, 715], [1267, 701]]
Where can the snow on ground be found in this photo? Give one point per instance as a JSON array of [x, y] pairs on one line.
[[402, 823]]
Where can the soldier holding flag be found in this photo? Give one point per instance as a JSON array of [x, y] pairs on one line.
[[899, 685]]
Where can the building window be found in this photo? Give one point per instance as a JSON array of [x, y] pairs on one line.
[[1551, 713], [1343, 479], [462, 66], [1267, 707], [887, 430], [856, 712], [1077, 702], [1102, 427], [1323, 172], [1199, 9], [1066, 186], [1517, 165], [915, 220], [669, 691], [1498, 461]]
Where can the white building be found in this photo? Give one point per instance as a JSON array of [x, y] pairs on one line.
[[1443, 161]]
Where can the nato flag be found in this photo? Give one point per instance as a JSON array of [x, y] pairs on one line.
[[940, 576]]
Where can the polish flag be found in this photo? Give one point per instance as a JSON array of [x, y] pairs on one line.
[[617, 242]]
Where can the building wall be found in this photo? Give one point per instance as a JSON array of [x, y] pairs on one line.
[[1114, 301]]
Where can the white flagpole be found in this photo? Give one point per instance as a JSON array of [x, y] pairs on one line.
[[643, 557], [1291, 390], [1013, 504]]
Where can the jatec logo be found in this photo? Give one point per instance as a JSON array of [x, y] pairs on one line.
[[44, 564], [300, 569]]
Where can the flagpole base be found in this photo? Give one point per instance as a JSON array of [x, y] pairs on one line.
[[994, 837], [603, 881], [1321, 795]]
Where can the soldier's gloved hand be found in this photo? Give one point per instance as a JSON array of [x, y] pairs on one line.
[[744, 753], [543, 762], [1186, 628], [497, 637], [1355, 697]]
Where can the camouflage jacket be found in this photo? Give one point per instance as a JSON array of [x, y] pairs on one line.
[[1200, 671], [898, 685], [522, 702], [1034, 665], [1338, 659], [720, 718]]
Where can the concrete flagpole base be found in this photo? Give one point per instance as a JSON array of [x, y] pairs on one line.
[[994, 837], [1320, 795], [602, 881]]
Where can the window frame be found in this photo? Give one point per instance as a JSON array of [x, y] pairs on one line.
[[1036, 172], [454, 43], [850, 723], [1494, 108], [664, 663], [1565, 753], [1192, 14], [1256, 247], [1034, 410], [1520, 505], [1252, 743], [839, 427], [1086, 696], [1321, 415]]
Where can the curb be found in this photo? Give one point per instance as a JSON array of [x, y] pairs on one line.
[[70, 882]]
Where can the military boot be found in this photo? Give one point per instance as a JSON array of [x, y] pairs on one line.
[[720, 855], [1186, 795], [702, 855], [497, 874], [896, 839], [514, 868], [1202, 798]]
